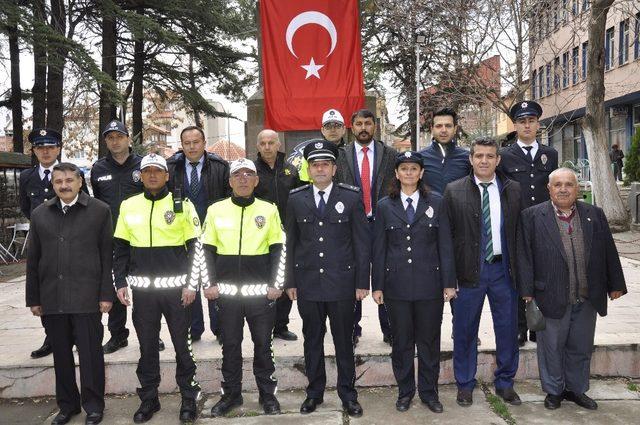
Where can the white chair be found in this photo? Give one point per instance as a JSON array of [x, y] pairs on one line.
[[17, 239]]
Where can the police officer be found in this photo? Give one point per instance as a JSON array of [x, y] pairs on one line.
[[529, 163], [114, 178], [333, 130], [328, 254], [276, 178], [412, 265], [243, 241], [35, 187], [153, 239]]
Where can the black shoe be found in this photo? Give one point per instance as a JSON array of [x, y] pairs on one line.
[[510, 396], [225, 404], [356, 340], [434, 405], [269, 404], [195, 338], [114, 344], [386, 338], [63, 418], [93, 418], [581, 400], [309, 405], [43, 351], [532, 336], [160, 344], [353, 408], [552, 402], [403, 404], [146, 410], [464, 398], [285, 334], [522, 338], [188, 410]]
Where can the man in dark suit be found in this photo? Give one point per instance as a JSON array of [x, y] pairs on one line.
[[327, 270], [529, 163], [36, 188], [69, 286], [369, 165], [568, 263], [483, 211]]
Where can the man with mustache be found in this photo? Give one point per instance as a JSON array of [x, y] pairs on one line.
[[369, 165]]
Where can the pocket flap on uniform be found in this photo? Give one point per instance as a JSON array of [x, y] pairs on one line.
[[306, 219], [339, 219]]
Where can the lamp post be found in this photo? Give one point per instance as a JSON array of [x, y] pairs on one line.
[[420, 41]]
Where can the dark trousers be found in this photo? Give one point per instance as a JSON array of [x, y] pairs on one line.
[[416, 324], [118, 320], [564, 350], [47, 340], [314, 316], [197, 317], [148, 309], [260, 314], [466, 320], [283, 308], [85, 331]]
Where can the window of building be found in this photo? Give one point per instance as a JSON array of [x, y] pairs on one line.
[[574, 64], [548, 69], [585, 47], [556, 74], [623, 53], [585, 5], [540, 81], [534, 84], [565, 70], [564, 11], [618, 125], [574, 7], [636, 117], [636, 38], [556, 15], [609, 46]]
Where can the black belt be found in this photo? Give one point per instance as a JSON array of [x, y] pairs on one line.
[[496, 259]]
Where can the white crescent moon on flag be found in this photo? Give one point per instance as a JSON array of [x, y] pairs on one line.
[[311, 17]]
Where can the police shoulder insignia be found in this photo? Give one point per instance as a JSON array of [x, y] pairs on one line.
[[298, 189], [349, 187], [196, 222], [136, 176], [287, 172], [543, 158], [260, 221], [429, 212], [169, 216]]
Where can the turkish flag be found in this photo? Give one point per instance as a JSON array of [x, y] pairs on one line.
[[311, 61]]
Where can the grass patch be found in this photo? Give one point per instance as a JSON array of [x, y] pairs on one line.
[[497, 405], [633, 387]]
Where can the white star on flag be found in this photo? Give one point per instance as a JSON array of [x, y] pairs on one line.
[[312, 69]]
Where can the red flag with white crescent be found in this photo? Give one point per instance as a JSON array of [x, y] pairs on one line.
[[311, 61]]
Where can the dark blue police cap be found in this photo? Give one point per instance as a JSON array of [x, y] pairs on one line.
[[409, 156], [320, 149], [526, 108], [45, 137], [115, 125]]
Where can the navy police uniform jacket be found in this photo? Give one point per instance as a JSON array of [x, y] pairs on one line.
[[533, 178], [327, 255], [412, 261], [34, 192]]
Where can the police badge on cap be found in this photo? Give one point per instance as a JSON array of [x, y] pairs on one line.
[[320, 149], [527, 108], [45, 137], [409, 156]]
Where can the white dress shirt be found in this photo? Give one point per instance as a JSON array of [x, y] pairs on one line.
[[70, 204], [496, 213], [415, 197], [534, 145], [50, 168], [370, 155], [326, 190]]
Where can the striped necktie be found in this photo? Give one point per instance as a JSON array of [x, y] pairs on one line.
[[194, 183], [486, 219]]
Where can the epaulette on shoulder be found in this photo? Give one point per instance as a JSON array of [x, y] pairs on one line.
[[349, 187], [299, 189]]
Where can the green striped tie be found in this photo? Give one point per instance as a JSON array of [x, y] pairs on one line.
[[486, 218]]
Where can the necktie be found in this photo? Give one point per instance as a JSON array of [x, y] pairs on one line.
[[194, 184], [365, 178], [45, 180], [529, 157], [321, 204], [411, 212], [486, 218], [65, 209]]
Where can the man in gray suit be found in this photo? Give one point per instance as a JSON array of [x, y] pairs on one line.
[[369, 165], [568, 263]]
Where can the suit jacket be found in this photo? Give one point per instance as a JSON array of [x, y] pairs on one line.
[[462, 201], [542, 261], [69, 257], [514, 164], [327, 255], [383, 170], [412, 261]]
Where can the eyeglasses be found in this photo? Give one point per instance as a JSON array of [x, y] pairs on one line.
[[243, 174], [333, 125]]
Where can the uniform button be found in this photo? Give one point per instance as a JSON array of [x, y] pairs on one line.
[[61, 238], [320, 223], [533, 198], [321, 254], [339, 221], [60, 276], [321, 270], [531, 174], [46, 199], [533, 187], [409, 261], [304, 220], [408, 225], [516, 169], [409, 248], [321, 239], [46, 189], [408, 238], [429, 224]]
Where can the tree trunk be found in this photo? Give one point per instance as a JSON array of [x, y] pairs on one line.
[[55, 77], [192, 83], [605, 189], [16, 90], [40, 66], [109, 43], [138, 88]]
